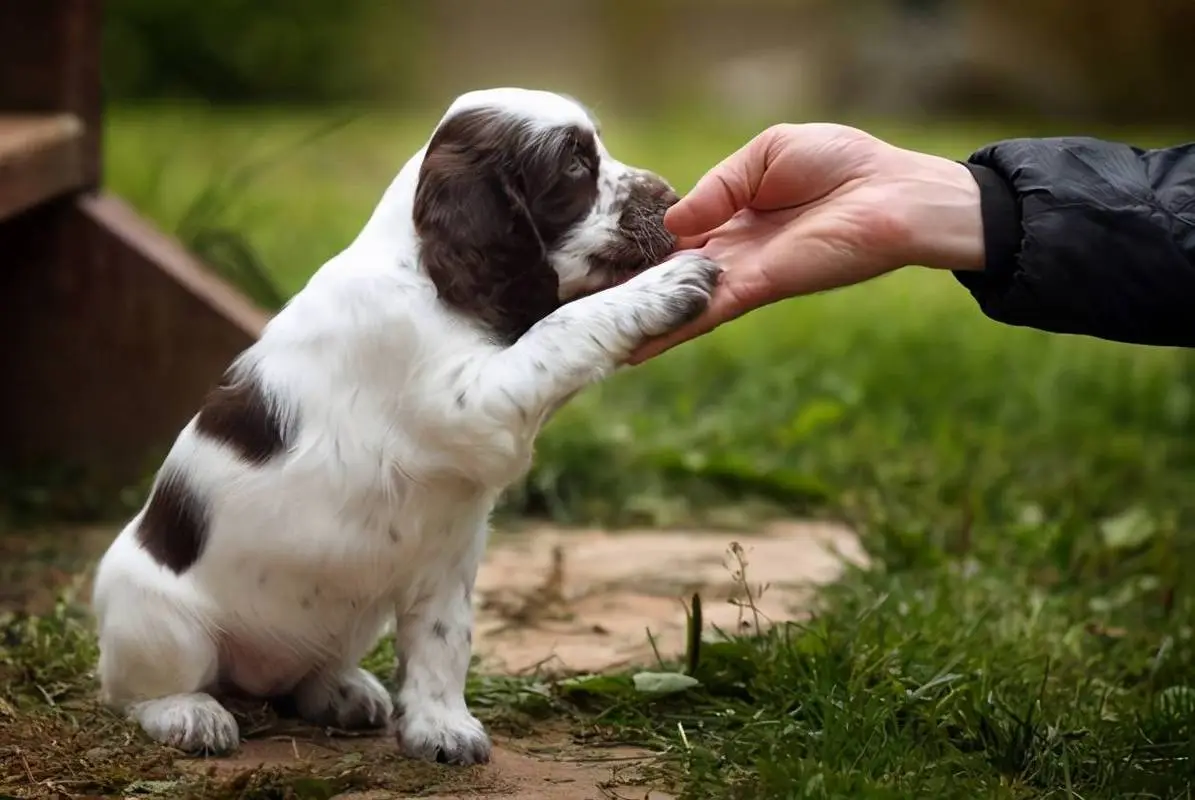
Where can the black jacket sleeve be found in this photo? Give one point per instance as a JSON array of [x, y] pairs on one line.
[[1088, 237]]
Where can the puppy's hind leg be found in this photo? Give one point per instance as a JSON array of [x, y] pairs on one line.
[[155, 663], [348, 698]]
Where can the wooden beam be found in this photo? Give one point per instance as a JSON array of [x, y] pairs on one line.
[[41, 157], [130, 236], [111, 335], [110, 332], [50, 64]]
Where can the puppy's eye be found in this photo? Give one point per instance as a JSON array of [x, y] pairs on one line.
[[578, 167]]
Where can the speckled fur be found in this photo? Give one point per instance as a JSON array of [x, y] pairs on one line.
[[401, 421]]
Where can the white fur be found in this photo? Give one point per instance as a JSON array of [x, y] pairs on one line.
[[408, 422]]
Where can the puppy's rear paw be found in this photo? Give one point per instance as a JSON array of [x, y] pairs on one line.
[[438, 733], [677, 292], [349, 700], [195, 723]]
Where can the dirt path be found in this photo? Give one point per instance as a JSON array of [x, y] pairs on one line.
[[546, 766], [564, 601], [549, 601]]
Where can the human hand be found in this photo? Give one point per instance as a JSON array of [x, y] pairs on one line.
[[807, 208]]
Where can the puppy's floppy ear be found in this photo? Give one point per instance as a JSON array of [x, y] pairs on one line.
[[478, 240]]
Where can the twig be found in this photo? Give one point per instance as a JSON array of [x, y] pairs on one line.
[[597, 760], [25, 763]]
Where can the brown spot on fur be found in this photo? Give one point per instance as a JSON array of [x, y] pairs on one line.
[[238, 414], [494, 198], [174, 526]]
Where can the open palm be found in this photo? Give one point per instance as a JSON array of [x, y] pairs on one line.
[[782, 221], [808, 208]]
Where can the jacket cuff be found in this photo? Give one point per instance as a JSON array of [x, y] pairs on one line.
[[1001, 214]]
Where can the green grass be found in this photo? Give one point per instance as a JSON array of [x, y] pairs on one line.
[[1026, 630]]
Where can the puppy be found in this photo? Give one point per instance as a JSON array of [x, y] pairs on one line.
[[341, 475]]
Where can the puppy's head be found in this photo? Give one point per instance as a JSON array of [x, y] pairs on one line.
[[519, 208]]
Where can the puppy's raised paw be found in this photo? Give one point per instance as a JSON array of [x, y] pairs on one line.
[[195, 723], [675, 292], [448, 736], [350, 700]]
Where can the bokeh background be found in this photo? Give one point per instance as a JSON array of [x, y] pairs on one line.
[[763, 58]]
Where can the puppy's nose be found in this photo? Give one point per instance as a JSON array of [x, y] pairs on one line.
[[647, 187], [659, 190]]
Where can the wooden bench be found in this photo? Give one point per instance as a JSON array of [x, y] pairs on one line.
[[110, 332]]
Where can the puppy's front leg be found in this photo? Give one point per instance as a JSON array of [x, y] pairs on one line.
[[433, 642], [587, 339]]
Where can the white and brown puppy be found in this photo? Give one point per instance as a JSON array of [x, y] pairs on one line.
[[342, 475]]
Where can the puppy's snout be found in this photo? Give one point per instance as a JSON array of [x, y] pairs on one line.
[[661, 192], [642, 220], [654, 190]]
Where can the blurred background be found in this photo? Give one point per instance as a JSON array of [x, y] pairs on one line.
[[1101, 60]]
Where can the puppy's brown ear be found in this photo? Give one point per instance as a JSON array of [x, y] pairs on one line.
[[478, 241]]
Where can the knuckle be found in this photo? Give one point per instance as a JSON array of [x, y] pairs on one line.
[[780, 130]]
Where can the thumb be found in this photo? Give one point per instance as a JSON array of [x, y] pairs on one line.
[[721, 193], [715, 199]]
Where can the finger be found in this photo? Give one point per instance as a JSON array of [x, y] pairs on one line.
[[691, 242], [715, 199], [724, 190]]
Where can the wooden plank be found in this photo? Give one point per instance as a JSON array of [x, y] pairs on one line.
[[138, 239], [112, 335], [50, 64], [41, 157]]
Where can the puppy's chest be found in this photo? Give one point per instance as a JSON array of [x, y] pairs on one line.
[[380, 540], [331, 578]]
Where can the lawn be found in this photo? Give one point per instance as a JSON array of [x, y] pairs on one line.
[[1025, 630]]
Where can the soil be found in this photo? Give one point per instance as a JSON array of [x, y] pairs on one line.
[[550, 602], [574, 601], [546, 766]]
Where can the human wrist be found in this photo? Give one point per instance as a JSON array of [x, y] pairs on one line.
[[945, 220]]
